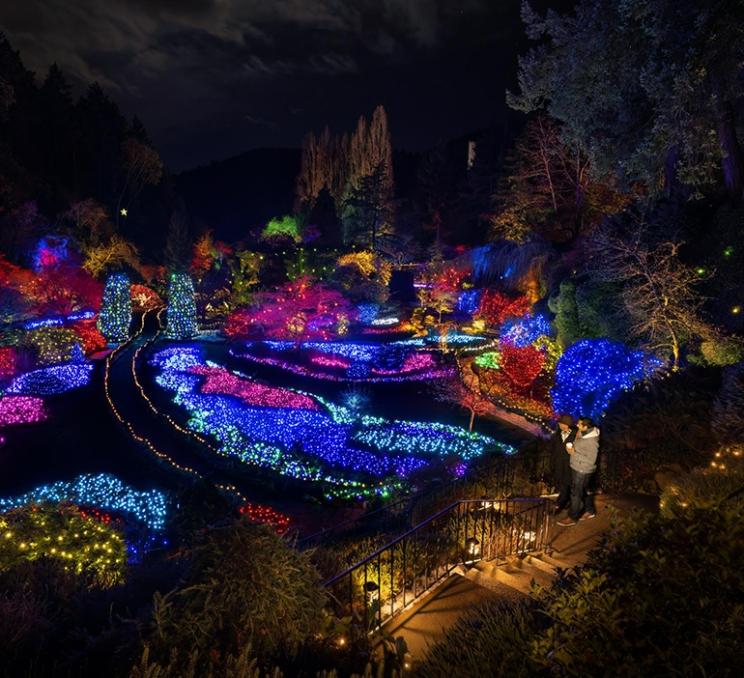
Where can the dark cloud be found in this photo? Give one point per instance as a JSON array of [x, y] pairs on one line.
[[192, 68]]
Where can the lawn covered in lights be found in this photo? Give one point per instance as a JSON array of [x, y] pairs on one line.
[[344, 360], [302, 435]]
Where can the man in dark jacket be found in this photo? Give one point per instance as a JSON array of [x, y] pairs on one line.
[[561, 460]]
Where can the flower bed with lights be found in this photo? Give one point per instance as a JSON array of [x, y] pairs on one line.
[[21, 410], [404, 360], [64, 533], [101, 491], [301, 435], [51, 380]]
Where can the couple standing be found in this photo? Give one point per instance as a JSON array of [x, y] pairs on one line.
[[574, 457]]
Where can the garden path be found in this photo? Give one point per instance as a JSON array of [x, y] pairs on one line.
[[427, 621]]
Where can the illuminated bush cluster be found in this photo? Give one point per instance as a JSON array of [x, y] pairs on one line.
[[52, 380], [304, 436], [63, 533], [181, 313], [53, 345], [116, 308], [593, 372], [102, 491], [525, 331]]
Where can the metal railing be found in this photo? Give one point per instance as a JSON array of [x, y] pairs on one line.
[[389, 580], [493, 479]]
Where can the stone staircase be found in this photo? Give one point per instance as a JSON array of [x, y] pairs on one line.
[[518, 573]]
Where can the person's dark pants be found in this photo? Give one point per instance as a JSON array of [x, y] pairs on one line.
[[564, 494], [580, 501]]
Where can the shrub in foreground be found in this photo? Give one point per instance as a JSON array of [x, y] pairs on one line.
[[661, 596]]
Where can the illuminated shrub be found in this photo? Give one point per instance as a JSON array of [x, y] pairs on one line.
[[297, 309], [286, 227], [61, 532], [53, 345], [593, 372], [90, 337], [521, 365], [116, 310], [8, 362], [245, 586], [496, 307], [144, 298], [181, 313], [363, 276]]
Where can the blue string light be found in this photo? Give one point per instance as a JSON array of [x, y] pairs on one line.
[[593, 372], [523, 332], [103, 491], [52, 380], [351, 454]]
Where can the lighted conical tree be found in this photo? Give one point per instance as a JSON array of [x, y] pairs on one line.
[[181, 313], [116, 308]]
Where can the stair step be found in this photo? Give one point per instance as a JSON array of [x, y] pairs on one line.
[[538, 562]]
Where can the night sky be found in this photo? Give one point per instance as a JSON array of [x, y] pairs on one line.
[[212, 78]]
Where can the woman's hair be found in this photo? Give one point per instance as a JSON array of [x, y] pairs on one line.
[[586, 421]]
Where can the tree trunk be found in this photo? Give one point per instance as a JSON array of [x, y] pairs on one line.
[[472, 420], [732, 160]]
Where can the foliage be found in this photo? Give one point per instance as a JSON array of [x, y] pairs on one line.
[[456, 392], [722, 352], [116, 310], [144, 298], [549, 190], [363, 276], [244, 587], [521, 365], [706, 488], [670, 109], [142, 167], [626, 612], [665, 425], [52, 345], [62, 532], [491, 640], [62, 289], [297, 309], [286, 227], [102, 258], [593, 372], [566, 311], [367, 215], [89, 222], [728, 407], [495, 307], [658, 291], [91, 339], [244, 270]]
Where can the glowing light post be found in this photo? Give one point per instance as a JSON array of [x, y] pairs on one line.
[[181, 313], [116, 309]]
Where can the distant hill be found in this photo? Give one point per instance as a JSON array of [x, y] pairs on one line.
[[238, 194], [235, 195]]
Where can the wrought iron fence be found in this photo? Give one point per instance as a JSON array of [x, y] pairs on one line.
[[389, 580]]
